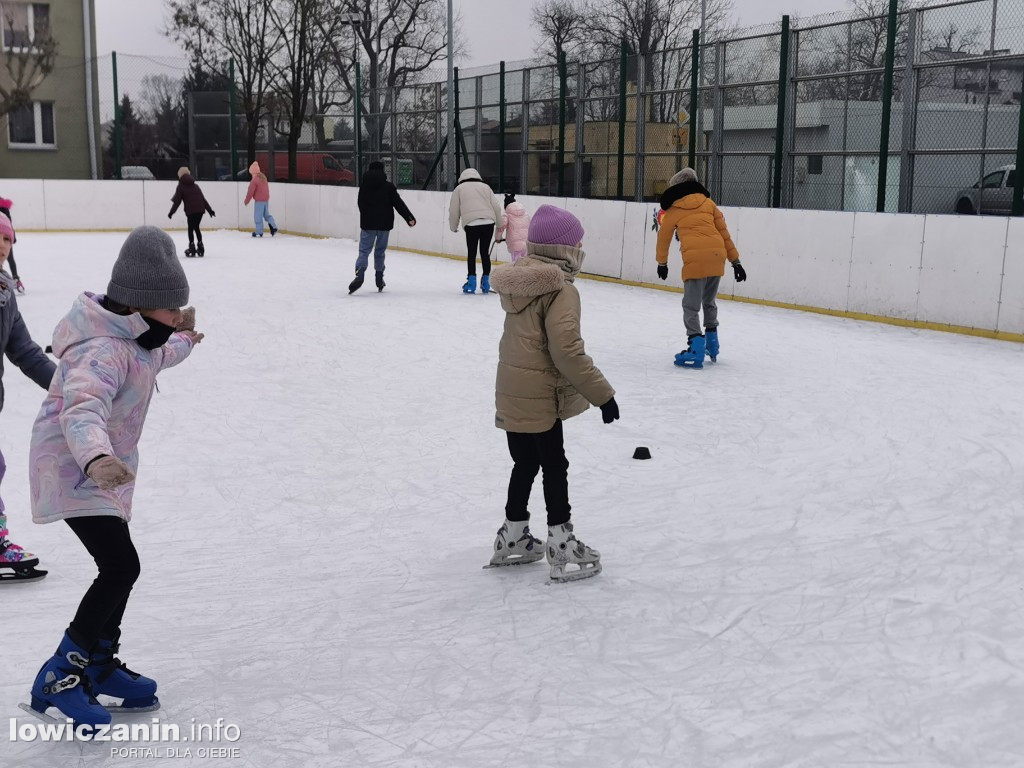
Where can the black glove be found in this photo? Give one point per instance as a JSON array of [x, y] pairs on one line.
[[739, 272], [610, 411], [213, 215], [170, 215], [663, 271]]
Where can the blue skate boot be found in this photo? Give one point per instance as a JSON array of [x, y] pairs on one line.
[[711, 337], [470, 286], [692, 356], [110, 677], [485, 284], [63, 684]]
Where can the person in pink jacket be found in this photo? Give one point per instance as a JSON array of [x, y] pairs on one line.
[[259, 192], [84, 458], [515, 225]]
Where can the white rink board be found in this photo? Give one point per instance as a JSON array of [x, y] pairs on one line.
[[886, 268], [1011, 307], [603, 223], [961, 270], [867, 263], [29, 211], [83, 205]]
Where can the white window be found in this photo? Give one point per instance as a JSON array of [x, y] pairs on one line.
[[23, 23], [32, 126]]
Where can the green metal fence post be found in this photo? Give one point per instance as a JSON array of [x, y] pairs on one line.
[[501, 126], [117, 120], [622, 120], [890, 64], [1018, 186], [694, 83], [780, 121], [233, 118], [457, 127], [562, 88], [359, 125]]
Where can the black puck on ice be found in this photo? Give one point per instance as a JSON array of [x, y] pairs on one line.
[[642, 453]]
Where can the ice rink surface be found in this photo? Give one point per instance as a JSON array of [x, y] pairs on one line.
[[820, 567]]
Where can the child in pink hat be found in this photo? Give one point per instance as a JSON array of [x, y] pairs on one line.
[[259, 193], [17, 345]]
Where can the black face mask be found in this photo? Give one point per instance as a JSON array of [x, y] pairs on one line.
[[156, 336]]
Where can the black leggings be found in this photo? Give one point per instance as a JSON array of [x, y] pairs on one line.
[[110, 544], [194, 220], [479, 236], [531, 453]]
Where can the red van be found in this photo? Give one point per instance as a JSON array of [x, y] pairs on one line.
[[310, 168]]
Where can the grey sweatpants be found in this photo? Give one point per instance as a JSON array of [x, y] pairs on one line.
[[698, 293]]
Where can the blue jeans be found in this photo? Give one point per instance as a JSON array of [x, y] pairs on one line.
[[366, 242], [261, 211]]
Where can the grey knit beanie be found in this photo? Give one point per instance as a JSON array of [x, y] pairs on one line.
[[687, 174], [147, 273]]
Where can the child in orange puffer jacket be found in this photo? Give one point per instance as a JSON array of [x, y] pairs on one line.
[[705, 244]]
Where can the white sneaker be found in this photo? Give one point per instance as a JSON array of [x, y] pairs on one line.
[[515, 545], [563, 548]]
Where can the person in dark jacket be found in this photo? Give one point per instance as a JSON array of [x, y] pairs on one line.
[[189, 193], [5, 209], [378, 201], [17, 345]]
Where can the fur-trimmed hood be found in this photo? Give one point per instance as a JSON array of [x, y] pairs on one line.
[[545, 269], [679, 191]]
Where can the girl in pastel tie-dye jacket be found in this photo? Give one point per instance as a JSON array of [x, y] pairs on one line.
[[84, 458]]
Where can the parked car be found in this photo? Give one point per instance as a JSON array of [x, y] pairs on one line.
[[136, 172], [993, 194], [310, 168]]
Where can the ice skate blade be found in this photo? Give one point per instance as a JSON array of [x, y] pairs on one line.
[[16, 577], [118, 709], [517, 561], [564, 576]]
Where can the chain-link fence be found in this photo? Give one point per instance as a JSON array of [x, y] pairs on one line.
[[790, 115]]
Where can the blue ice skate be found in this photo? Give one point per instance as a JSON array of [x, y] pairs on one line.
[[711, 337], [693, 356], [470, 286], [63, 684], [485, 284], [109, 676]]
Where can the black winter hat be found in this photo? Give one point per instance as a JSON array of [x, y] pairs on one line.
[[509, 199], [376, 165]]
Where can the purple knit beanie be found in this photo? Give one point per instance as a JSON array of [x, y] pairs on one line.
[[555, 226]]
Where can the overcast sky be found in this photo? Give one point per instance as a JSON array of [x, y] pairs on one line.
[[497, 29]]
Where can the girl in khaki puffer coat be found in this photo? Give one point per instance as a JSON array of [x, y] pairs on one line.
[[544, 377]]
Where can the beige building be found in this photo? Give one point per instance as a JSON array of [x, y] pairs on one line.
[[58, 136]]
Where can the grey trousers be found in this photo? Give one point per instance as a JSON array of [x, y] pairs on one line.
[[698, 293]]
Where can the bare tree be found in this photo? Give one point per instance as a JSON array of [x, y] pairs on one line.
[[300, 26], [26, 65], [396, 40], [659, 34], [561, 24], [215, 31]]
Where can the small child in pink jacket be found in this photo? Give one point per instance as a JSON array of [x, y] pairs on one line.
[[84, 459], [259, 192], [515, 224]]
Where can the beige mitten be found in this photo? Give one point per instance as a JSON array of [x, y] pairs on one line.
[[188, 320], [108, 473]]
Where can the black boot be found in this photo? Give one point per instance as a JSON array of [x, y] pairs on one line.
[[201, 251], [190, 252], [380, 281], [356, 284]]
